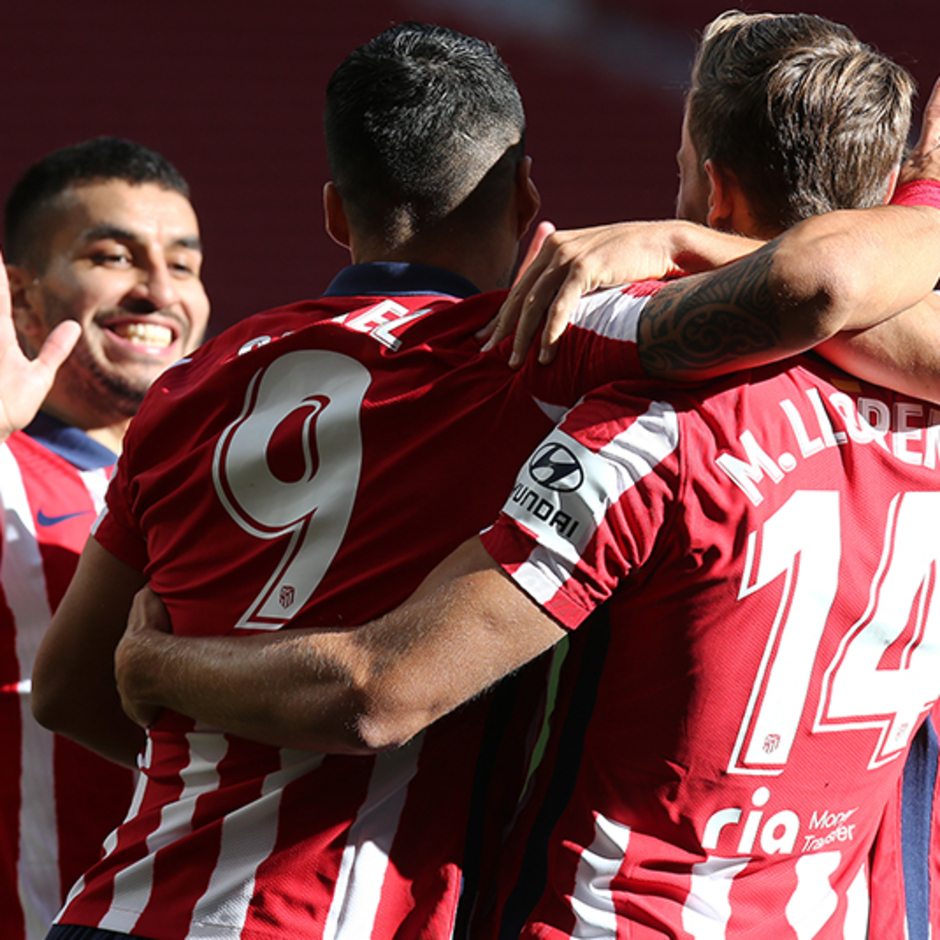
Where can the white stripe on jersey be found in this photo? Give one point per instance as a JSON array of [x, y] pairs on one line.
[[361, 877], [592, 902], [96, 482], [248, 838], [133, 885], [707, 909], [21, 573], [814, 900], [565, 520], [610, 313], [111, 840]]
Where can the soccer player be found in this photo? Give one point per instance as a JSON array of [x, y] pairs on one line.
[[102, 243], [764, 548]]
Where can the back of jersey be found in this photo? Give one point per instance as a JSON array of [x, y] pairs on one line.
[[769, 645], [308, 468]]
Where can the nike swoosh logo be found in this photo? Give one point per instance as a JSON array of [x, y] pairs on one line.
[[45, 520]]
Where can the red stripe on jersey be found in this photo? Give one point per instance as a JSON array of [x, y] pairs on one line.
[[307, 858]]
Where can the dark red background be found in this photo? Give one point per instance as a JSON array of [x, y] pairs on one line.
[[232, 92]]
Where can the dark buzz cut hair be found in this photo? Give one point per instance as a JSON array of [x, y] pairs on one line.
[[97, 160], [416, 121], [808, 117]]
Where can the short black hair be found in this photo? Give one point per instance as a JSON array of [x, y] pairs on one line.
[[415, 120], [96, 160]]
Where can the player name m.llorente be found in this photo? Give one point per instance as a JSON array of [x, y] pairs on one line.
[[907, 430]]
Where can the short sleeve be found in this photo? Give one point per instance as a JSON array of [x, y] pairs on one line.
[[588, 507], [116, 529]]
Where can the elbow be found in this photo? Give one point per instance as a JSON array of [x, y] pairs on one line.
[[384, 733], [816, 304], [48, 707], [386, 719]]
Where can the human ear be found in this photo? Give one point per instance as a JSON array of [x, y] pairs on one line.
[[528, 199], [337, 225], [722, 195], [892, 184]]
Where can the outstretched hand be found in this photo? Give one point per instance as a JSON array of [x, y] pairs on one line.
[[24, 382], [148, 628], [924, 161]]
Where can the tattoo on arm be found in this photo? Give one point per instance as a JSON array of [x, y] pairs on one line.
[[703, 321]]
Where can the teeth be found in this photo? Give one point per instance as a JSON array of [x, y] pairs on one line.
[[147, 334]]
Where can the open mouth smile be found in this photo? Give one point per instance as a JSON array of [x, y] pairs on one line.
[[145, 334]]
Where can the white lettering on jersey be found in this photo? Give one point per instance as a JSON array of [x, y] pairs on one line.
[[862, 689], [288, 468], [745, 475], [778, 834], [802, 541], [902, 433], [379, 321]]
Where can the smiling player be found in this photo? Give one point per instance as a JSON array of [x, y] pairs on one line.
[[101, 233]]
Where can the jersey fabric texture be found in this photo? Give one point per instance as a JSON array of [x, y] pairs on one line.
[[309, 467], [751, 568], [57, 800]]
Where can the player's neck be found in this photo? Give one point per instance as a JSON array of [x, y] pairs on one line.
[[108, 430]]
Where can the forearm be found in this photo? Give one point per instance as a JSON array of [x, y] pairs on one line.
[[696, 248], [293, 688], [902, 353], [73, 688], [841, 271], [352, 691], [97, 723], [857, 269]]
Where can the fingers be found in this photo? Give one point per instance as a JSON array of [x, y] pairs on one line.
[[529, 320], [559, 315], [924, 161], [542, 231], [930, 132], [6, 305], [518, 298], [148, 612], [148, 618], [59, 343]]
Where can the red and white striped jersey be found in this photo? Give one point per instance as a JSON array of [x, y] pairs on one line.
[[309, 467], [57, 800], [758, 559]]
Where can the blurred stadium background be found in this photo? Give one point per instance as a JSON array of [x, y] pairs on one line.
[[231, 92]]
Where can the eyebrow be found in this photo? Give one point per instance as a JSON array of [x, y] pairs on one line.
[[107, 230]]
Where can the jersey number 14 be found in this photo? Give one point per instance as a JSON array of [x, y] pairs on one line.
[[864, 685]]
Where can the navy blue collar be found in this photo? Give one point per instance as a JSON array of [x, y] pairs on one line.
[[70, 443], [387, 278]]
